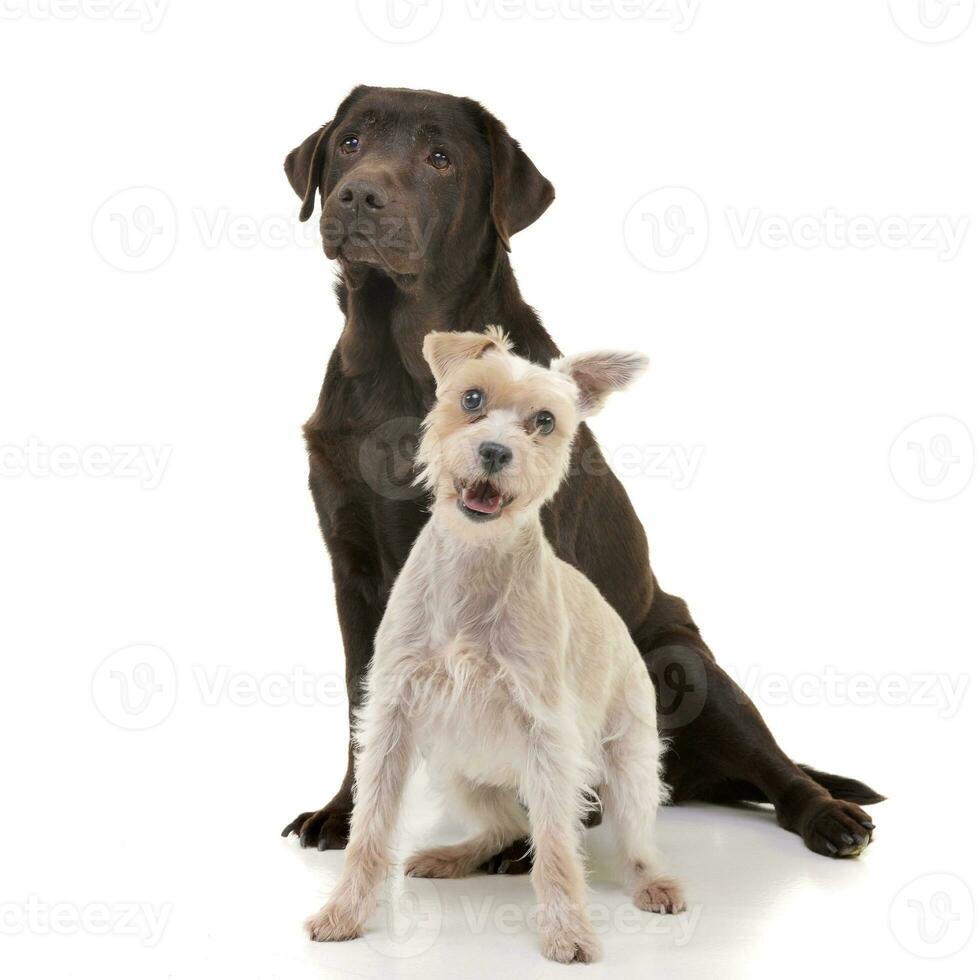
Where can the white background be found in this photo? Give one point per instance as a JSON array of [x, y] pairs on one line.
[[809, 537]]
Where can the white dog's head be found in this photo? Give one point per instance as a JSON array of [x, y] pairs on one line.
[[498, 440]]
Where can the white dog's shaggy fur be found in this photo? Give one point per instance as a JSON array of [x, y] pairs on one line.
[[502, 665]]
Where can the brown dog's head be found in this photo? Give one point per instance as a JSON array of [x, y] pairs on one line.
[[414, 182]]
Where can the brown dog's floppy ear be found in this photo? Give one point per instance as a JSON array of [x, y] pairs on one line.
[[599, 373], [520, 194], [303, 168], [303, 165], [445, 350]]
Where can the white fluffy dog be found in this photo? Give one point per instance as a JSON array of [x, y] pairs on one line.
[[499, 663]]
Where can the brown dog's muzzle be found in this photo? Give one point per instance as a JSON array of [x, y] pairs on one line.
[[366, 222], [362, 195]]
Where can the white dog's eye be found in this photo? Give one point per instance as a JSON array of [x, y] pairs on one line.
[[544, 423], [472, 400]]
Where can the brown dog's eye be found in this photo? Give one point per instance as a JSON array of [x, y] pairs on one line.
[[439, 160], [350, 144], [544, 423]]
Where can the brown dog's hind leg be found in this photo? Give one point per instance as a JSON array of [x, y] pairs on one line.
[[496, 816], [722, 751], [517, 858]]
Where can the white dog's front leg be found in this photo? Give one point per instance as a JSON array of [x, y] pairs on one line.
[[553, 791], [380, 773]]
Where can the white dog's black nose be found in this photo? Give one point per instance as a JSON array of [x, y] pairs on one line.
[[495, 457]]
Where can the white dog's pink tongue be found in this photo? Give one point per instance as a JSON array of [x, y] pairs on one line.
[[482, 500]]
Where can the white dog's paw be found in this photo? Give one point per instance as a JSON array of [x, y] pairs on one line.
[[576, 943], [441, 862], [662, 894], [333, 923]]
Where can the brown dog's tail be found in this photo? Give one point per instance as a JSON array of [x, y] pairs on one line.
[[843, 788], [839, 787]]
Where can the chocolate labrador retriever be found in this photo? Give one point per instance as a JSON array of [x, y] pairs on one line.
[[421, 194]]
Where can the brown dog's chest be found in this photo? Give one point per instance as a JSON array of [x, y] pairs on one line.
[[362, 441], [366, 431]]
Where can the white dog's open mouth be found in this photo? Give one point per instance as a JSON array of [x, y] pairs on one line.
[[481, 501]]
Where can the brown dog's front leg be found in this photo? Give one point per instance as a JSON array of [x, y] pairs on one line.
[[328, 828]]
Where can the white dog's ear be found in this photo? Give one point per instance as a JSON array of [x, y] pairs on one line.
[[600, 372], [445, 350]]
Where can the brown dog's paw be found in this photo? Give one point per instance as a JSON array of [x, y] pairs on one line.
[[333, 923], [512, 860], [837, 829], [662, 894], [326, 829]]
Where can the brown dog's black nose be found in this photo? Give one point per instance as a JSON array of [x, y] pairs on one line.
[[363, 195], [495, 457]]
